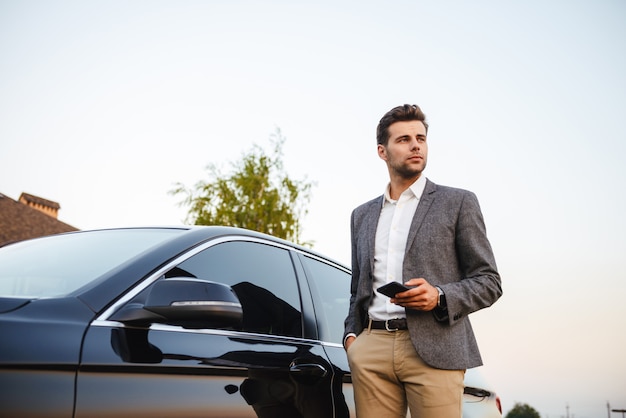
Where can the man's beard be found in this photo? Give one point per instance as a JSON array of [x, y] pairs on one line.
[[407, 172]]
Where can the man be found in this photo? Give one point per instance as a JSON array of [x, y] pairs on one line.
[[413, 349]]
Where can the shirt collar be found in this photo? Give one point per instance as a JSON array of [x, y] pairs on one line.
[[416, 189]]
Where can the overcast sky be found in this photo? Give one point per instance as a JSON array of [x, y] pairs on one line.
[[105, 105]]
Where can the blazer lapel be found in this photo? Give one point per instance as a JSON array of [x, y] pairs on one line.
[[428, 196]]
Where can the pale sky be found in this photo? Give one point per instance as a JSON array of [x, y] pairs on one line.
[[105, 105]]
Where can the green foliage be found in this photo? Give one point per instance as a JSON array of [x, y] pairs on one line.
[[256, 195], [523, 411]]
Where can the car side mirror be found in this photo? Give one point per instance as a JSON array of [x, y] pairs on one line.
[[188, 302]]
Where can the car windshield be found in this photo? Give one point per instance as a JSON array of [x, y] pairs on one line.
[[57, 265]]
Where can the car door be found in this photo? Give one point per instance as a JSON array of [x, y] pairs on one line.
[[330, 289], [264, 368]]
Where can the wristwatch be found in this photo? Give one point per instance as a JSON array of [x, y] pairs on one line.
[[441, 300]]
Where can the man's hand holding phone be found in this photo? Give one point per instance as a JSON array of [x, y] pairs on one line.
[[423, 295]]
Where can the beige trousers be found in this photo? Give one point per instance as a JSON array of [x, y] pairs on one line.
[[388, 376]]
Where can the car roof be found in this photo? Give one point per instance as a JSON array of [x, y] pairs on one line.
[[98, 295]]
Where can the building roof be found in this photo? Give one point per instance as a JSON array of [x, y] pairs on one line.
[[19, 221]]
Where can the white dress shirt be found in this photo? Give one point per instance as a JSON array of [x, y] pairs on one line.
[[391, 236]]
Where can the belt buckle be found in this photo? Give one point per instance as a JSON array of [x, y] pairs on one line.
[[387, 326]]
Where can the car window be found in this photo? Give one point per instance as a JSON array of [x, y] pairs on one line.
[[262, 276], [330, 287]]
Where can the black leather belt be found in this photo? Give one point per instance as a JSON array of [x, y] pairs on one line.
[[390, 324]]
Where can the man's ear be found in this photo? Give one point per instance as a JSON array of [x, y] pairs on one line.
[[382, 152]]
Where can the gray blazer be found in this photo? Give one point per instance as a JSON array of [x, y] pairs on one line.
[[448, 246]]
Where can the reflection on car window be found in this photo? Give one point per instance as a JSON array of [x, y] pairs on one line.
[[263, 278], [331, 294], [57, 265]]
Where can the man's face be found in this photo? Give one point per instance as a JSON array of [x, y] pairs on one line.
[[406, 151]]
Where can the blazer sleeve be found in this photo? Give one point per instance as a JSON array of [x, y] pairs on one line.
[[362, 226], [480, 285], [349, 324]]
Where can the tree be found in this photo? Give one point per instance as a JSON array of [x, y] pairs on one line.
[[256, 195], [523, 411]]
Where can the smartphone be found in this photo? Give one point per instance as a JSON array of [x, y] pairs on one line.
[[391, 289]]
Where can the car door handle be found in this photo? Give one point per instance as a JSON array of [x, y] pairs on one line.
[[308, 369]]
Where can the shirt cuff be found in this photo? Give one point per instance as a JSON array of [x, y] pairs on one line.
[[350, 334]]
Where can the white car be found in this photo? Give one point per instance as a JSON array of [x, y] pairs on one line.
[[479, 401]]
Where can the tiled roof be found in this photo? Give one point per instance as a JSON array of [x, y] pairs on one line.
[[19, 221]]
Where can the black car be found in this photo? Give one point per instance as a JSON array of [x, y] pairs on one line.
[[173, 322]]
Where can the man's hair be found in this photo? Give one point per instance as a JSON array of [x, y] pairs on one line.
[[398, 114]]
